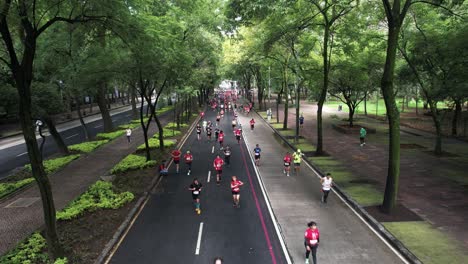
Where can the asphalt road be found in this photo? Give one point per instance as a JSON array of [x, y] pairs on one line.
[[168, 230], [16, 156]]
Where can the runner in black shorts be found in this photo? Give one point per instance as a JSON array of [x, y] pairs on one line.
[[208, 133], [257, 151], [198, 128], [196, 188], [235, 190]]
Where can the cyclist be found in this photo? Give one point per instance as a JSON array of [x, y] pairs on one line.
[[221, 139], [176, 158], [252, 124], [198, 128], [297, 158], [287, 163], [235, 190], [227, 155], [196, 188], [257, 151], [218, 165], [188, 157]]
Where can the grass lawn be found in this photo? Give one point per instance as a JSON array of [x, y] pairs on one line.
[[305, 147], [288, 132], [364, 194], [429, 244]]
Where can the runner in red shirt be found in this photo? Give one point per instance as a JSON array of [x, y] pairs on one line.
[[235, 189], [221, 139], [176, 158], [202, 114], [287, 163], [311, 241], [188, 160], [218, 165], [252, 124], [238, 133]]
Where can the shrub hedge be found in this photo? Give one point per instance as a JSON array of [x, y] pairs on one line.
[[9, 187], [132, 162], [52, 165], [110, 135], [87, 147], [154, 143]]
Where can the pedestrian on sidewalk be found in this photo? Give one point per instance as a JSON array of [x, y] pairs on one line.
[[188, 157], [311, 241], [227, 155], [257, 151], [128, 132], [176, 158], [252, 124], [218, 166], [301, 121], [327, 184], [297, 158], [235, 190], [196, 188], [287, 163], [163, 171], [362, 136]]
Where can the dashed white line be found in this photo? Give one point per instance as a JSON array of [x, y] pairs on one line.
[[71, 136], [209, 176], [212, 149], [24, 153], [98, 126], [200, 231]]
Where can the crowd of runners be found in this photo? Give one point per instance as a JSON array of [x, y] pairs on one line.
[[226, 107]]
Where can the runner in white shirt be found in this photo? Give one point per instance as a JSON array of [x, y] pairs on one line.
[[327, 183], [129, 134]]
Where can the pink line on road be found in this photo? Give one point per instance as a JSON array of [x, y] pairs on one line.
[[260, 214]]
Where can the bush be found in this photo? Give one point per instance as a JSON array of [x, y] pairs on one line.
[[130, 125], [132, 162], [137, 121], [164, 109], [87, 147], [174, 125], [52, 165], [110, 135], [154, 143], [9, 187], [99, 195], [168, 133], [32, 250]]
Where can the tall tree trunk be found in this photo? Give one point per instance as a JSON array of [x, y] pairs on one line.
[[297, 112], [456, 117], [102, 104], [145, 127], [393, 173], [436, 119], [323, 92], [365, 104], [286, 102], [62, 147], [80, 116], [351, 114], [133, 102], [90, 104]]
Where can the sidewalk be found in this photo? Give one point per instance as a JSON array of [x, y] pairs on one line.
[[17, 223], [296, 200], [432, 187]]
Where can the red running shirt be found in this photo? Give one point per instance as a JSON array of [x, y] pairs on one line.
[[176, 155], [312, 236], [235, 185], [221, 137], [252, 122], [238, 132], [287, 159], [218, 163], [188, 158]]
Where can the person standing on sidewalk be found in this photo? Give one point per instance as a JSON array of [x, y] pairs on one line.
[[128, 132], [176, 158], [196, 188], [297, 158], [235, 190], [257, 151], [327, 184], [252, 124], [218, 166], [362, 136], [188, 157], [227, 155], [311, 241], [287, 163]]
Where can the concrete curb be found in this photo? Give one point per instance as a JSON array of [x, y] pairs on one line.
[[138, 205], [378, 227]]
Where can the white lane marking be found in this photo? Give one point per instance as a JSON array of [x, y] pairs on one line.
[[212, 149], [71, 136], [200, 231], [24, 153], [209, 176], [98, 126]]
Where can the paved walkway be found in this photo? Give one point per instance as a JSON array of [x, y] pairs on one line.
[[17, 223], [433, 187], [295, 201]]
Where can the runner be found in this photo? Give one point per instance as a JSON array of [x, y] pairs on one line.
[[287, 163], [216, 133], [311, 241], [227, 155], [218, 260], [208, 133], [221, 113], [163, 169], [234, 123], [297, 158], [188, 157], [221, 139], [362, 136], [238, 134], [218, 117], [252, 124], [202, 115], [176, 158], [198, 128], [327, 183], [257, 151], [196, 188], [218, 165], [204, 124], [235, 189], [129, 134], [301, 121]]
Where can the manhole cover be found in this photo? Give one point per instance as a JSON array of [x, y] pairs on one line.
[[23, 202]]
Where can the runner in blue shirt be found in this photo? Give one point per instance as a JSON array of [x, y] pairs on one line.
[[257, 151]]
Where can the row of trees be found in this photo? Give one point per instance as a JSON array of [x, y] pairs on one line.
[[75, 49], [349, 49]]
